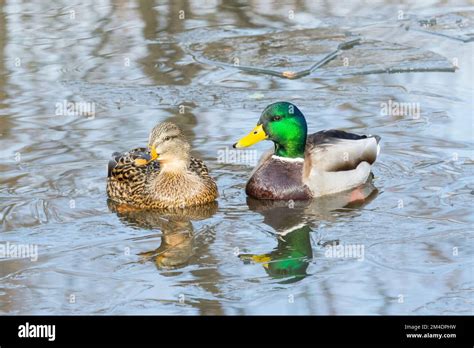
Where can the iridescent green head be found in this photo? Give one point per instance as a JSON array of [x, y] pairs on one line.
[[285, 125]]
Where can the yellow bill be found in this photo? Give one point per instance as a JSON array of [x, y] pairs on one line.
[[261, 258], [256, 135], [154, 154], [143, 161]]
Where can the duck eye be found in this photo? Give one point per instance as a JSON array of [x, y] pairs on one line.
[[167, 138], [276, 118]]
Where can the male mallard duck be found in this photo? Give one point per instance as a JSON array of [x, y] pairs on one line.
[[162, 176], [301, 166]]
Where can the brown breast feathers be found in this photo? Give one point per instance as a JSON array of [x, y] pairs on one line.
[[278, 179]]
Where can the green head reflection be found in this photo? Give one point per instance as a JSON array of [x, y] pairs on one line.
[[290, 258]]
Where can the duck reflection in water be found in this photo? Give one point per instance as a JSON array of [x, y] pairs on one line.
[[293, 222], [177, 231]]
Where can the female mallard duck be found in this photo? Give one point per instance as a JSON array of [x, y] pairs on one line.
[[301, 166], [162, 176]]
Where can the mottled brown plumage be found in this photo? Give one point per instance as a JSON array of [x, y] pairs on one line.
[[172, 180]]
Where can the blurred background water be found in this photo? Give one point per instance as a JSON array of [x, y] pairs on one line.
[[134, 62]]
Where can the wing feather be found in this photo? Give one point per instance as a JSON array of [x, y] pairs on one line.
[[336, 161], [334, 151]]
